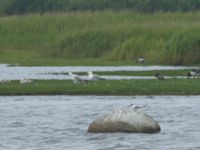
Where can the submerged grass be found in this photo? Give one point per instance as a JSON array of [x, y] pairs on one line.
[[108, 87], [162, 38]]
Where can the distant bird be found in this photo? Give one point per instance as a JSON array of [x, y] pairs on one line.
[[159, 76], [25, 81], [193, 73], [94, 76], [76, 78], [140, 60]]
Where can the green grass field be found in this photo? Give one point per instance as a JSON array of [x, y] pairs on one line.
[[107, 87], [106, 37]]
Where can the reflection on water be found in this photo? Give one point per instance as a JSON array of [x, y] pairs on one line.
[[19, 72], [61, 122]]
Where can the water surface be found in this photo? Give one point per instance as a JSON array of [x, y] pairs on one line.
[[42, 72], [61, 122]]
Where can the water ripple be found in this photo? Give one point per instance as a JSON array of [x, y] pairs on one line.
[[61, 122]]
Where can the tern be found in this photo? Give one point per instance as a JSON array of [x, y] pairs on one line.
[[135, 107]]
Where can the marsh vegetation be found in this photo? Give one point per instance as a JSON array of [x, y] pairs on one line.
[[162, 38], [104, 87]]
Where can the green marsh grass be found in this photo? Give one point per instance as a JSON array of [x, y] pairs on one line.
[[118, 36], [107, 87]]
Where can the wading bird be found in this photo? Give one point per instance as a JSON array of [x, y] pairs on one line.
[[159, 76]]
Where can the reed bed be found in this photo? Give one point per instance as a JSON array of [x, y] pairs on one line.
[[162, 38]]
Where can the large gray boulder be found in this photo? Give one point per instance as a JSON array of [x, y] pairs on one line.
[[125, 120]]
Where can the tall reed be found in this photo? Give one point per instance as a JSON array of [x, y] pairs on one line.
[[164, 38]]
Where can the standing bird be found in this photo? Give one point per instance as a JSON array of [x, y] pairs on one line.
[[140, 60], [159, 76], [25, 81], [193, 73], [76, 78], [94, 76]]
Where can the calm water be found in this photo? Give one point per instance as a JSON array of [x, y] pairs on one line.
[[61, 122], [40, 72]]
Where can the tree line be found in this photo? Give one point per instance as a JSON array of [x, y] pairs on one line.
[[9, 7]]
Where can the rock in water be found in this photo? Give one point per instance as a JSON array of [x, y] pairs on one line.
[[125, 120]]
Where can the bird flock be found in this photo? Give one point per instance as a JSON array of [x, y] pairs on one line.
[[91, 77], [194, 73]]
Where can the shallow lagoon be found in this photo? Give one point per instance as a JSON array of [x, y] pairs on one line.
[[61, 122]]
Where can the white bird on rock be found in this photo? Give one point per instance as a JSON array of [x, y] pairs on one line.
[[135, 107], [94, 76]]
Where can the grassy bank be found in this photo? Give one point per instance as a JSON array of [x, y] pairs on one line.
[[123, 87], [106, 36]]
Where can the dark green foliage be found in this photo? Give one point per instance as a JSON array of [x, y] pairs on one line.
[[26, 6]]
